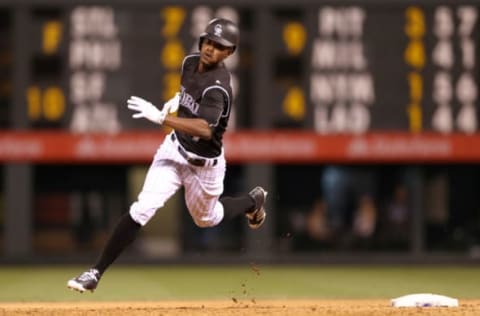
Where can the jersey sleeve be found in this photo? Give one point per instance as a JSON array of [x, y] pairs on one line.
[[214, 104]]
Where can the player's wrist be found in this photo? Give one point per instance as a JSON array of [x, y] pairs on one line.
[[159, 116]]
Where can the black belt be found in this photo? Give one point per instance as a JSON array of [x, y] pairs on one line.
[[199, 162]]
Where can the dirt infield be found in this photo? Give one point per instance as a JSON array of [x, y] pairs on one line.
[[235, 307]]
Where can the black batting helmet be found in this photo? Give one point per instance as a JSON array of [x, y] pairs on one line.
[[221, 31]]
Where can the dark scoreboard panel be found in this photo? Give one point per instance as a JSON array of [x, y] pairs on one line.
[[333, 69], [395, 68], [87, 60]]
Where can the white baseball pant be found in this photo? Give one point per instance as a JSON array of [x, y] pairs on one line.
[[168, 172]]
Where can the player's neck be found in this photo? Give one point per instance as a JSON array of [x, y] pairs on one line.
[[204, 67]]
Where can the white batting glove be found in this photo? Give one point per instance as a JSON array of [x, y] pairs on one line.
[[146, 109], [173, 104]]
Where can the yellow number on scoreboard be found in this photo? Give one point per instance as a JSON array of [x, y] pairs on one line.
[[415, 54], [415, 117], [415, 83], [173, 17], [171, 83], [172, 54], [48, 103], [415, 27], [294, 103], [52, 34]]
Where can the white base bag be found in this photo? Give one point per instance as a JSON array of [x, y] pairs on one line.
[[424, 300]]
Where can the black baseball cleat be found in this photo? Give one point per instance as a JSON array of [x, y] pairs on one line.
[[87, 281], [256, 217]]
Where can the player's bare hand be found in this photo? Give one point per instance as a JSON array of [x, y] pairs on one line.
[[146, 110]]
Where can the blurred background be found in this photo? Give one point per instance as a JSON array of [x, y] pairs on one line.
[[360, 118]]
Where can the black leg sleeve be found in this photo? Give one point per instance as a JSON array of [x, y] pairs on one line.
[[235, 206], [123, 235]]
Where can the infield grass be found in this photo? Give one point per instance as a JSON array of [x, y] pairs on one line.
[[153, 283]]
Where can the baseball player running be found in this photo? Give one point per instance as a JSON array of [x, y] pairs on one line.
[[191, 156]]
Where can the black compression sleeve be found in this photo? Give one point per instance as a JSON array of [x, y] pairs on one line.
[[123, 235]]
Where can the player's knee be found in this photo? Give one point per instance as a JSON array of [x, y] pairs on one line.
[[141, 213], [208, 221], [204, 223], [207, 217]]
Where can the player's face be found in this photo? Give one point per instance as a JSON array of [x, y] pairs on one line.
[[212, 53]]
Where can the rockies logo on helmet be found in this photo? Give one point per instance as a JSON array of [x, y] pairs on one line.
[[217, 30]]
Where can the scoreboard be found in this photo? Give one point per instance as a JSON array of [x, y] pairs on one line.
[[344, 69], [334, 69], [411, 68], [88, 59]]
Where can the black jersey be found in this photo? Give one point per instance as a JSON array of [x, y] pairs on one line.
[[206, 95]]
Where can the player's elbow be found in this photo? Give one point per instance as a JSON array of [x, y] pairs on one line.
[[207, 135], [206, 132]]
